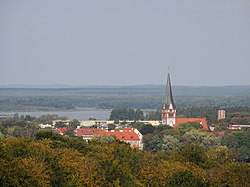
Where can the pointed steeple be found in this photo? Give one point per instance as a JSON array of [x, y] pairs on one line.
[[168, 112], [168, 95]]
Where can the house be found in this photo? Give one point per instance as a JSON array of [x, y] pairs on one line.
[[129, 135], [61, 131], [238, 127], [87, 133], [42, 126]]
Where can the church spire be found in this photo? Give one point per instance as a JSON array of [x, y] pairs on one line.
[[168, 95], [168, 112]]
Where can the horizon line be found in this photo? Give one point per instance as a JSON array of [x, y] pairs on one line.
[[58, 86]]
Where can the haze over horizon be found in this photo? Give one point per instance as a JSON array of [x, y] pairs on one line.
[[121, 43]]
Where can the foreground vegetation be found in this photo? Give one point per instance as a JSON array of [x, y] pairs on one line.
[[186, 156], [55, 160]]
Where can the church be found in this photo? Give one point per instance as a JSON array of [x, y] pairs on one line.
[[168, 115]]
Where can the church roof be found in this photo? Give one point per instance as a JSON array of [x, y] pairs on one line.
[[168, 95], [202, 121]]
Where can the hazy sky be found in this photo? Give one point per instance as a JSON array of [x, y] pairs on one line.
[[129, 42]]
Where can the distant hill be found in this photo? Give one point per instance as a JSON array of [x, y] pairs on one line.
[[108, 97], [212, 90]]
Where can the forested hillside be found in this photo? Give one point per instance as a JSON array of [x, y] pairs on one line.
[[142, 97]]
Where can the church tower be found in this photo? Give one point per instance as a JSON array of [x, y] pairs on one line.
[[168, 114]]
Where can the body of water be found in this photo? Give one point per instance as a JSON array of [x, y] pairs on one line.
[[79, 115]]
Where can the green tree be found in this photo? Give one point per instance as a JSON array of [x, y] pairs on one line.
[[60, 124], [73, 124], [186, 178], [153, 115], [154, 144], [170, 143], [24, 172], [146, 129], [200, 136], [139, 114], [193, 153], [239, 142], [126, 114], [47, 134], [1, 136], [185, 127]]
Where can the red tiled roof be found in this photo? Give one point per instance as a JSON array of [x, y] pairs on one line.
[[202, 121], [87, 131], [61, 130], [122, 135]]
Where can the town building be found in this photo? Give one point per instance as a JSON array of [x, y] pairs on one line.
[[101, 123], [61, 131], [168, 115], [238, 127], [221, 114], [43, 126], [129, 135]]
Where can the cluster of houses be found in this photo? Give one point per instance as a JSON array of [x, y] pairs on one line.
[[132, 135], [125, 132], [128, 135]]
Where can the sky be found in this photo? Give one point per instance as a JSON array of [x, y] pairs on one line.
[[124, 42]]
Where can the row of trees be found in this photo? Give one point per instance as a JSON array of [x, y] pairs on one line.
[[234, 115], [126, 114], [54, 160], [45, 119]]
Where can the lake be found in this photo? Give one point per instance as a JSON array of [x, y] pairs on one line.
[[79, 115]]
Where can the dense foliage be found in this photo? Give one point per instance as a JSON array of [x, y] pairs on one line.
[[126, 114], [185, 156], [239, 141], [55, 160]]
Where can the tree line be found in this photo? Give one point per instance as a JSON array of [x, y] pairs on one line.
[[42, 100], [234, 115]]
